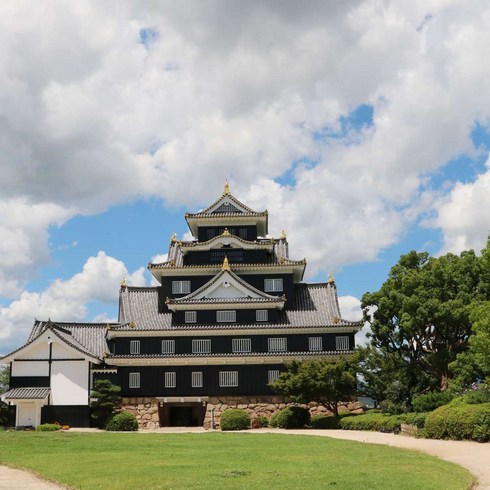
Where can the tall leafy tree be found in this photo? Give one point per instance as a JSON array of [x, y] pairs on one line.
[[420, 319], [4, 386], [324, 382], [106, 399]]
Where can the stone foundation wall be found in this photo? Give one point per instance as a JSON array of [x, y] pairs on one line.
[[145, 410], [265, 406]]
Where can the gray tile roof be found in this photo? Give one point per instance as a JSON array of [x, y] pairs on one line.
[[316, 306], [26, 394]]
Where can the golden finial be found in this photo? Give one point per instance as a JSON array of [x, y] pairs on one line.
[[173, 238], [167, 300], [226, 265], [331, 278], [226, 232], [108, 327], [226, 190], [123, 283], [284, 297], [104, 354], [283, 235], [132, 324]]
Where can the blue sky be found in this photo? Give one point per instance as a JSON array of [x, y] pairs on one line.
[[362, 127]]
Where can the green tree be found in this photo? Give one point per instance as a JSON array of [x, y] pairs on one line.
[[324, 382], [4, 378], [106, 399], [420, 320]]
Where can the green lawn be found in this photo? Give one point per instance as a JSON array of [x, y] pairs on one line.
[[223, 460]]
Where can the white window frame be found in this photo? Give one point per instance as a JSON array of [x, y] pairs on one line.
[[190, 317], [273, 285], [134, 346], [168, 346], [261, 315], [315, 343], [201, 346], [342, 342], [196, 379], [277, 344], [273, 375], [134, 380], [241, 345], [226, 316], [228, 379], [170, 379], [181, 287]]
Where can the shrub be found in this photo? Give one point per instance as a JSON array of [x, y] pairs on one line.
[[417, 419], [426, 402], [48, 427], [291, 418], [235, 419], [481, 395], [324, 422], [373, 421], [122, 421], [391, 408], [459, 421], [263, 421]]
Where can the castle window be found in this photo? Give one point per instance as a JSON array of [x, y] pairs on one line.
[[170, 379], [315, 343], [190, 316], [228, 378], [278, 345], [273, 285], [273, 376], [201, 346], [226, 316], [261, 315], [196, 379], [342, 343], [242, 233], [134, 347], [134, 380], [181, 287], [168, 346], [241, 345]]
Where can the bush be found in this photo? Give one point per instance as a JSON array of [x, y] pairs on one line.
[[417, 419], [480, 395], [391, 408], [122, 421], [459, 421], [263, 421], [235, 419], [291, 418], [373, 421], [48, 427], [324, 422], [427, 402]]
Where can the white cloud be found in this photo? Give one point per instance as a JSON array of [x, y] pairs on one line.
[[65, 300]]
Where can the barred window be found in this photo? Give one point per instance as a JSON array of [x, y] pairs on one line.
[[134, 347], [242, 233], [241, 345], [315, 343], [190, 316], [278, 345], [170, 380], [228, 378], [342, 343], [226, 316], [273, 376], [168, 346], [201, 346], [134, 380], [273, 285], [261, 315], [181, 287], [196, 379]]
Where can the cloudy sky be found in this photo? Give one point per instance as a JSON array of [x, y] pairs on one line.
[[362, 126]]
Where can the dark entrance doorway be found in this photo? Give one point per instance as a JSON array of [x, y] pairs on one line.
[[182, 414]]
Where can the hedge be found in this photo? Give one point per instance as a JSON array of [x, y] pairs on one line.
[[426, 402], [373, 421], [291, 418], [459, 421], [324, 422], [48, 427], [122, 421], [235, 419]]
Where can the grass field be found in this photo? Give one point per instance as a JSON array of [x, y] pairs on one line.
[[223, 460]]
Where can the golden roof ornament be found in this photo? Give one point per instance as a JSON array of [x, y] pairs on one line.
[[283, 235], [331, 278], [226, 189], [226, 265], [226, 232], [123, 283], [173, 238]]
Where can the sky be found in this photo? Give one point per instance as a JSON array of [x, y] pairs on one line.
[[361, 126]]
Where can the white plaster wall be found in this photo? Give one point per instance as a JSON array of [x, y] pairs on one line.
[[61, 351], [69, 382], [29, 368], [39, 350]]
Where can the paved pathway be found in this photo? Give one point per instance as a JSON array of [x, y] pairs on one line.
[[473, 456]]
